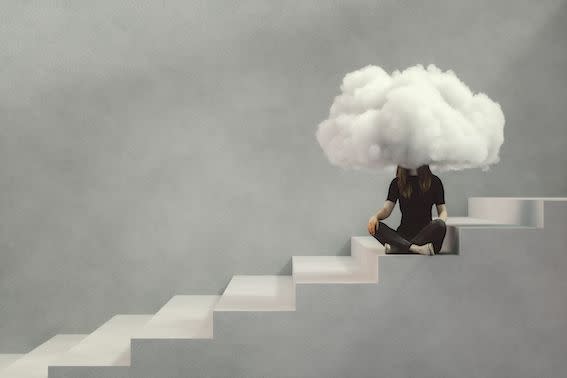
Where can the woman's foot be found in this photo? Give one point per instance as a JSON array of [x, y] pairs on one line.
[[426, 249]]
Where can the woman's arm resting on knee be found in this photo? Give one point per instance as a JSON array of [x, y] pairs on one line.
[[442, 212], [383, 213]]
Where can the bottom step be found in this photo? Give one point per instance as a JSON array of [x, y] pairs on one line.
[[34, 364], [7, 359]]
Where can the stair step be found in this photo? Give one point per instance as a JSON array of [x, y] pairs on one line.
[[367, 246], [183, 317], [108, 345], [472, 221], [366, 243], [258, 293], [8, 358], [524, 211], [34, 364], [329, 269]]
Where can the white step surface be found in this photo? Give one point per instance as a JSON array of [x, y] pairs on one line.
[[525, 211], [108, 345], [471, 221], [7, 359], [34, 364], [258, 293], [182, 317], [330, 269], [365, 244]]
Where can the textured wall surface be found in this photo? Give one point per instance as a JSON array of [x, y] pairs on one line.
[[156, 148]]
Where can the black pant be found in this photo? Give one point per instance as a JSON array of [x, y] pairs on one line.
[[434, 233]]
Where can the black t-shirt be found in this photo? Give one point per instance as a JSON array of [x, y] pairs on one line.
[[416, 210]]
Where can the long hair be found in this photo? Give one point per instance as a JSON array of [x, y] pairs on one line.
[[424, 178]]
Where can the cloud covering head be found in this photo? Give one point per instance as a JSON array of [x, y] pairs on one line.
[[411, 118]]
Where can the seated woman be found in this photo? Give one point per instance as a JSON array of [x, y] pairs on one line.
[[417, 232]]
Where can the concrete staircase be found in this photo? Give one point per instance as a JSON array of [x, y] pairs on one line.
[[265, 326]]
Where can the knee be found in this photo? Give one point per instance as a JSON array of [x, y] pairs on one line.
[[439, 223], [377, 231]]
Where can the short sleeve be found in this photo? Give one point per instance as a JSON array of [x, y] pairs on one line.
[[439, 195], [393, 192]]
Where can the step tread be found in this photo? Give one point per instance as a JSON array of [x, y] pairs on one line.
[[108, 345], [182, 317], [529, 198], [328, 269], [34, 363], [258, 293], [470, 221]]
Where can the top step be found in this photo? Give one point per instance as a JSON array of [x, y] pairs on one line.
[[365, 245], [522, 211], [471, 221]]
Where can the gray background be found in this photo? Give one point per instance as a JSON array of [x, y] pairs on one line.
[[157, 148]]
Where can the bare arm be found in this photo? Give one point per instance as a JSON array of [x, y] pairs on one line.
[[442, 212], [385, 211]]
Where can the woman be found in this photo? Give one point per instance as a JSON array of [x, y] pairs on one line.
[[417, 232]]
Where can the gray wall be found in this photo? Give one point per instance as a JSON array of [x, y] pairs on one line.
[[151, 149]]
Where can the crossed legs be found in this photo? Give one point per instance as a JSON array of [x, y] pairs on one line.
[[434, 233]]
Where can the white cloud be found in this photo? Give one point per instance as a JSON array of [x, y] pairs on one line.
[[410, 118]]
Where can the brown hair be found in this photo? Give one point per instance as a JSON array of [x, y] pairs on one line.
[[424, 176]]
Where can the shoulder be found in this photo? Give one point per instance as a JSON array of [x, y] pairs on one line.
[[436, 180], [393, 185]]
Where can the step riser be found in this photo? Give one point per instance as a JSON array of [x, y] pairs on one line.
[[367, 258]]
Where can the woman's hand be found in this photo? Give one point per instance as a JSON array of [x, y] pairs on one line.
[[372, 224]]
